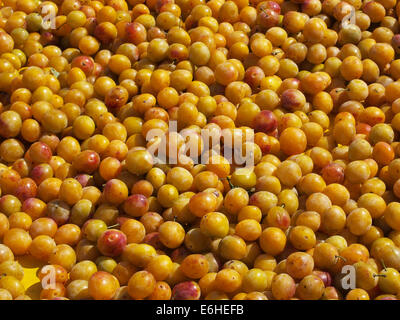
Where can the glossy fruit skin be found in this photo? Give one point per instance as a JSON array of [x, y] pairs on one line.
[[26, 189], [283, 287], [298, 177], [272, 240], [194, 266], [51, 294], [40, 152], [112, 243], [141, 285], [59, 211], [136, 205], [11, 284], [102, 285], [87, 161], [18, 247], [135, 33], [310, 288], [265, 122], [188, 290], [306, 265], [85, 63]]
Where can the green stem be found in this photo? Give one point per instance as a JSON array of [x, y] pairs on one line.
[[230, 183], [383, 264], [343, 258]]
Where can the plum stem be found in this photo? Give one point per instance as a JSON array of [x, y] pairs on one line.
[[230, 183], [263, 10], [251, 191], [380, 275], [383, 264], [114, 226], [54, 72], [343, 258]]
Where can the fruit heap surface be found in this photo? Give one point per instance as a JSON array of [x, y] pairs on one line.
[[311, 91]]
